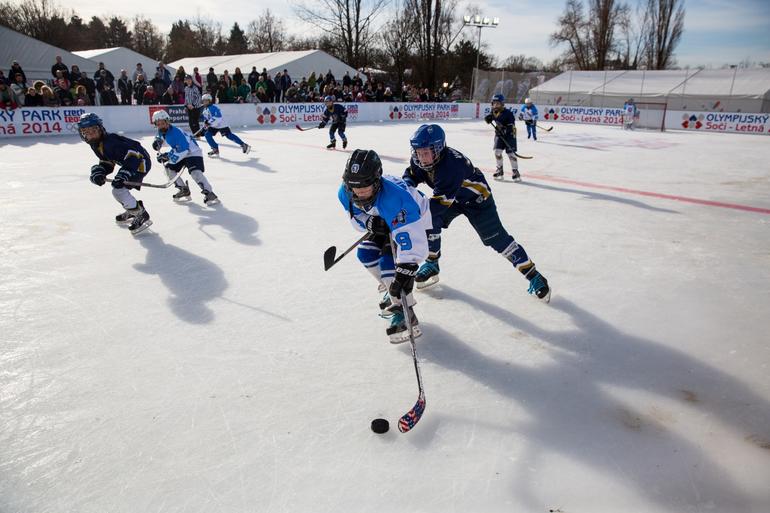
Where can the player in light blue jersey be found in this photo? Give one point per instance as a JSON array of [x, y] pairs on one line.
[[184, 152], [214, 123], [397, 217], [528, 114]]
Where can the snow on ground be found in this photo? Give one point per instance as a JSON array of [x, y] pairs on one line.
[[211, 365]]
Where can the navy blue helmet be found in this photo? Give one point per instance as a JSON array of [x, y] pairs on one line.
[[428, 136], [88, 120]]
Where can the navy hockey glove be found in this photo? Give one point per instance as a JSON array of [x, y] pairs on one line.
[[121, 177], [162, 158], [322, 124], [377, 226], [157, 144], [404, 280], [98, 175], [488, 118]]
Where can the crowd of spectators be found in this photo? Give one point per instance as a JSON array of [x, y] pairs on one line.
[[71, 86]]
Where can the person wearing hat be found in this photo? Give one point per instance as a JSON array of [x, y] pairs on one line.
[[16, 70]]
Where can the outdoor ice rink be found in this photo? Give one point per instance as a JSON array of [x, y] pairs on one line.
[[211, 365]]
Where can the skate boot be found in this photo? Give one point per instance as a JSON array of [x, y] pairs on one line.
[[344, 143], [246, 148], [397, 331], [331, 145], [385, 302], [209, 198], [124, 218], [427, 274], [498, 174], [215, 152], [182, 194], [516, 176], [538, 286], [141, 219]]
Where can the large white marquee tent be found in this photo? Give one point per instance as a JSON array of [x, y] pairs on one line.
[[118, 58], [298, 63], [728, 90]]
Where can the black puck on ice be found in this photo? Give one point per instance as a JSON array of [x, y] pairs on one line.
[[380, 426]]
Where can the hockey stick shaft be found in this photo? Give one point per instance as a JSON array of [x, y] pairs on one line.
[[305, 129], [500, 135], [413, 416], [330, 260], [155, 186]]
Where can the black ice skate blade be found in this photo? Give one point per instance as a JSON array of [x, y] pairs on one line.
[[212, 203], [142, 228]]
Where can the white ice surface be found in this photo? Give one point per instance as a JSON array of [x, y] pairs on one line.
[[211, 365]]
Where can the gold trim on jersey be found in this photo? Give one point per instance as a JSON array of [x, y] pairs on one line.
[[477, 187]]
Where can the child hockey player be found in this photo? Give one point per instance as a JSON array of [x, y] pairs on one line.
[[505, 136], [338, 115], [134, 162], [214, 123], [528, 113]]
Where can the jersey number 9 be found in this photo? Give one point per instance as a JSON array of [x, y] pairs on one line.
[[403, 240]]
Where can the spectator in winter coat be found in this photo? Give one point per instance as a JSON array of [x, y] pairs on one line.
[[139, 70], [19, 88], [197, 79], [33, 99], [107, 75], [16, 68], [140, 86], [49, 97], [285, 83], [102, 79], [90, 86], [125, 87], [237, 77], [81, 95], [75, 73], [387, 96], [60, 66], [108, 95], [149, 97], [212, 80], [165, 74], [7, 98], [253, 78], [158, 84], [261, 95], [243, 93], [177, 88]]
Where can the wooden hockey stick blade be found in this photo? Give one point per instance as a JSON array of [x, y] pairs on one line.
[[304, 129], [522, 156], [329, 255]]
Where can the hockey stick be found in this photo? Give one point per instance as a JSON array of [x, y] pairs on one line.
[[305, 129], [329, 259], [409, 419], [547, 129], [156, 186], [500, 135]]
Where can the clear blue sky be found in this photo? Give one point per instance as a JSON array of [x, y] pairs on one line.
[[717, 32]]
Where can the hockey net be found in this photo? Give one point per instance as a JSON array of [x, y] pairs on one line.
[[652, 115]]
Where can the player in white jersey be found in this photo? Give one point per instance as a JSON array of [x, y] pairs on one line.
[[214, 123]]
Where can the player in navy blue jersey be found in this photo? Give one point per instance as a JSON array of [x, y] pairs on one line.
[[134, 164], [505, 136], [461, 189], [397, 217], [338, 115]]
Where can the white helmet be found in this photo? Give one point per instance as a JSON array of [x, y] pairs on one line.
[[527, 100], [160, 114], [207, 98]]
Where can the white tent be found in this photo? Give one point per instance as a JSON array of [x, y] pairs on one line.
[[728, 90], [118, 58], [36, 57], [299, 64]]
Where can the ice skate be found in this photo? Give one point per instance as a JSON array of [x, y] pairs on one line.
[[141, 219], [124, 219], [427, 274], [344, 143], [331, 145], [209, 198], [538, 286], [397, 331], [182, 194], [516, 176], [246, 148], [215, 153], [498, 174]]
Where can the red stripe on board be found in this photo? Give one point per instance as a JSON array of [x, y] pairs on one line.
[[587, 185]]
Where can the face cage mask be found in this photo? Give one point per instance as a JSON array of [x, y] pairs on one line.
[[102, 133], [436, 157], [368, 203]]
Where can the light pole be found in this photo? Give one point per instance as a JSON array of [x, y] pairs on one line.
[[478, 21]]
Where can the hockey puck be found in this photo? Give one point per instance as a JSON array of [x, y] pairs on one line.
[[380, 426]]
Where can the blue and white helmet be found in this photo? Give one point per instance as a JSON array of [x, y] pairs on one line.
[[329, 98], [428, 136], [88, 120], [498, 98]]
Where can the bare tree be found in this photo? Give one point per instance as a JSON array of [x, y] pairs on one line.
[[397, 40], [592, 36], [434, 21], [347, 21], [147, 38], [663, 32], [267, 33], [39, 19]]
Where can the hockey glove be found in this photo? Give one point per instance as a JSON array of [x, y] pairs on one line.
[[404, 280], [98, 175], [162, 158], [488, 118], [157, 144], [377, 226], [322, 124], [120, 179]]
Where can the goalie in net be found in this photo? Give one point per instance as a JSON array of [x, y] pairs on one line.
[[649, 115]]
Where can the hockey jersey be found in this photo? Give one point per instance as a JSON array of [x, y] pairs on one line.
[[528, 112], [212, 116], [337, 114], [453, 179], [405, 209], [505, 121], [182, 144], [127, 153]]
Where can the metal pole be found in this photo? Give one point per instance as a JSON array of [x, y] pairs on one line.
[[730, 96], [569, 87], [475, 84]]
